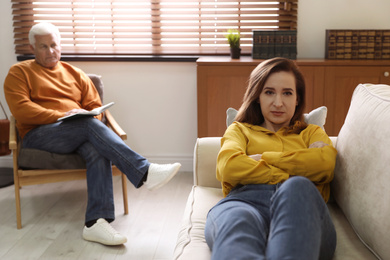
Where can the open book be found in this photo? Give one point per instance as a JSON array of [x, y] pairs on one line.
[[93, 112]]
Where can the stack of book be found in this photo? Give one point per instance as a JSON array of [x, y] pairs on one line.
[[268, 44], [357, 44]]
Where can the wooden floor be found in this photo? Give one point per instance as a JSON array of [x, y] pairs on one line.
[[53, 218]]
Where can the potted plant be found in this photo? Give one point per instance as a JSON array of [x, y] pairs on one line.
[[233, 37]]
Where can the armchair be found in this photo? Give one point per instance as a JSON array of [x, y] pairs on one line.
[[32, 166]]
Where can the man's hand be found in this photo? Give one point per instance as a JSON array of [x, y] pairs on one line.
[[75, 111], [255, 157], [318, 144]]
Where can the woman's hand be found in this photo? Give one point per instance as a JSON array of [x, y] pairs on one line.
[[318, 144], [255, 157]]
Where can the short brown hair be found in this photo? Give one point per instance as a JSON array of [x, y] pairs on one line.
[[250, 111]]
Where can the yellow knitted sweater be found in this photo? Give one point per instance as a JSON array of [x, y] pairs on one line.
[[283, 156]]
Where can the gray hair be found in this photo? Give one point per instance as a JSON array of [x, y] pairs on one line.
[[42, 29]]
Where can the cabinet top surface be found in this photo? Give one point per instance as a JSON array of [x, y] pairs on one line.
[[248, 61]]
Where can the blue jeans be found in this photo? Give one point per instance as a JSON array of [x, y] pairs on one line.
[[283, 221], [100, 147]]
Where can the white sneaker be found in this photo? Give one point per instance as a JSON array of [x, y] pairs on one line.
[[160, 174], [102, 232]]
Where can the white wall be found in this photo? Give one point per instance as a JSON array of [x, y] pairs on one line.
[[156, 101]]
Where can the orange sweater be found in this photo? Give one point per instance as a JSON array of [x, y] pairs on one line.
[[37, 95]]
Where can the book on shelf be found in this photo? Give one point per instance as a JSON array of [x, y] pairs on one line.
[[289, 43], [362, 53], [330, 44], [386, 44], [272, 43], [93, 112], [347, 45], [357, 44], [370, 45], [263, 42], [378, 45], [340, 43]]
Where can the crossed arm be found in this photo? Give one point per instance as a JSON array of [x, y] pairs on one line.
[[316, 160], [318, 144]]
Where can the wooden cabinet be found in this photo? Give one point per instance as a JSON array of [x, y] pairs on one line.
[[340, 82], [219, 87], [221, 84]]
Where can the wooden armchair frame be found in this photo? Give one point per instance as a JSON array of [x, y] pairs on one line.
[[40, 176]]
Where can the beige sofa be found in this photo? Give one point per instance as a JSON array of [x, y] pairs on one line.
[[360, 206]]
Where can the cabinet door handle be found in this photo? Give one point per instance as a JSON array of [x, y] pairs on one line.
[[386, 74]]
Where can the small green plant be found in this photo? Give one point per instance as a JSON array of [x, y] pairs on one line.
[[233, 38]]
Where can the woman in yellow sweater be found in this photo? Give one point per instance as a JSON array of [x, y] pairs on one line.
[[275, 172]]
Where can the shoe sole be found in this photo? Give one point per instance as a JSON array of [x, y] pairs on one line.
[[104, 242], [166, 180]]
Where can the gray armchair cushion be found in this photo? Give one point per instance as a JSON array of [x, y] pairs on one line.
[[97, 81], [38, 159]]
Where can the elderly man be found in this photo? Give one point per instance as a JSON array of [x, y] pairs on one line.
[[39, 92]]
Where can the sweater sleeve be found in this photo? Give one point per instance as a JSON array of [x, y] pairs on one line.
[[317, 164], [16, 90], [235, 167]]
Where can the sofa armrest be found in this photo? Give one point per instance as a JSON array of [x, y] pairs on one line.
[[205, 161]]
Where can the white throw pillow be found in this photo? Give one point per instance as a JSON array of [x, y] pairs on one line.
[[316, 116]]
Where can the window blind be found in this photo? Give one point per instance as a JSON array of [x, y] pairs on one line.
[[154, 27]]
